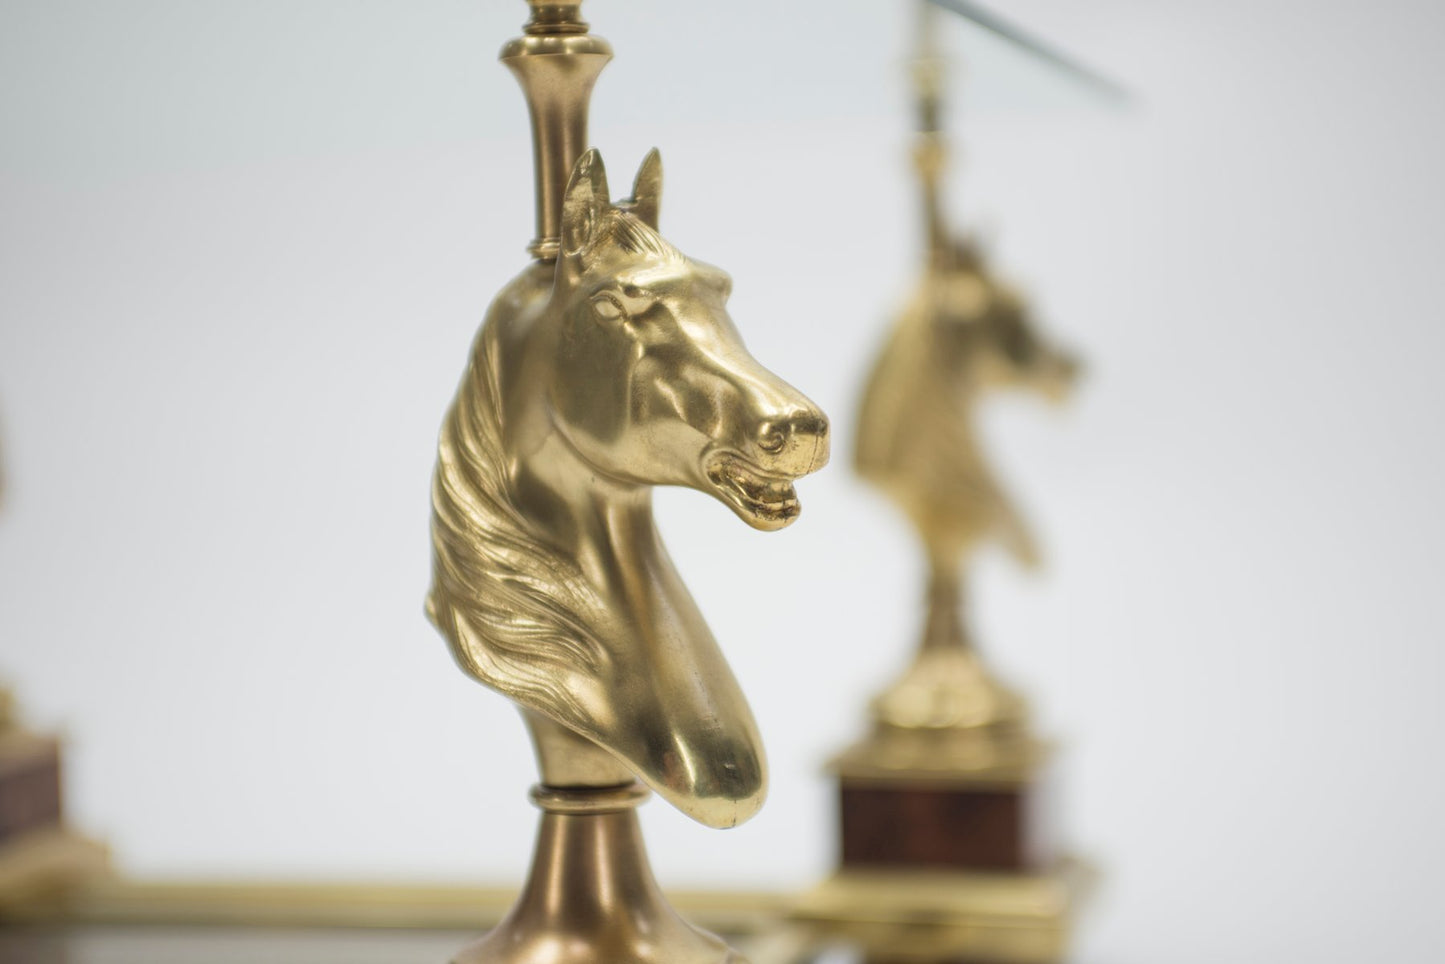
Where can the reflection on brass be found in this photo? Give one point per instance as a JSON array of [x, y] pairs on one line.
[[607, 367], [962, 336]]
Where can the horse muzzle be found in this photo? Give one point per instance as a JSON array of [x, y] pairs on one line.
[[794, 446], [758, 484]]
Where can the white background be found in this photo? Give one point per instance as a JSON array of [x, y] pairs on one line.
[[244, 246]]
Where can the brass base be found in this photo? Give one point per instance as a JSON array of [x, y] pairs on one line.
[[934, 916], [983, 756], [42, 870], [590, 897]]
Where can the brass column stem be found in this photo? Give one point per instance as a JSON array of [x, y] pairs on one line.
[[930, 151], [590, 895], [557, 62], [930, 154], [946, 626]]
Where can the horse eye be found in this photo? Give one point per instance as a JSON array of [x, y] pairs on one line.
[[607, 307]]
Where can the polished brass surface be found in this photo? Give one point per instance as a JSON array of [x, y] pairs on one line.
[[962, 336], [607, 367]]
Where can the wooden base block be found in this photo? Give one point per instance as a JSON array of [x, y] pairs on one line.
[[29, 784], [907, 824]]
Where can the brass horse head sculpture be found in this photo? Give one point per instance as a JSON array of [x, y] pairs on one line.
[[962, 336], [593, 379]]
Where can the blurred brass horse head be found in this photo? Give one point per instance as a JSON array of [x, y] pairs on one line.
[[592, 380], [962, 335]]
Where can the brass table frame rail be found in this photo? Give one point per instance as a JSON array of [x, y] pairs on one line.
[[352, 905]]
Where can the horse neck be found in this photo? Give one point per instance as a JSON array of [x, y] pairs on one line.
[[953, 397], [609, 535], [604, 525]]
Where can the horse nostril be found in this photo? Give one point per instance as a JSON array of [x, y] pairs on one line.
[[795, 444], [772, 439]]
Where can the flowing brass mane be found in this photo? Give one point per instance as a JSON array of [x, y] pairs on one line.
[[516, 611]]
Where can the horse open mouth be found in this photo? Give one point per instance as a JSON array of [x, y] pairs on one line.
[[762, 500]]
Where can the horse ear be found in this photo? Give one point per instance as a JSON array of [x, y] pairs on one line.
[[584, 203], [646, 197]]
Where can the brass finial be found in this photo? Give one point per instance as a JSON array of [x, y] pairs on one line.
[[930, 149], [557, 62], [556, 17]]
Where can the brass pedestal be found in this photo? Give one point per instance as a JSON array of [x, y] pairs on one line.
[[590, 897], [931, 915]]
